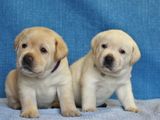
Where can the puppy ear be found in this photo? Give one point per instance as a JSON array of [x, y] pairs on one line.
[[95, 42], [94, 45], [17, 41], [61, 49], [135, 54], [19, 38]]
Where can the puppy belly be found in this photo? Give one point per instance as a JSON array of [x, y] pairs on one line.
[[46, 98], [101, 98], [102, 94]]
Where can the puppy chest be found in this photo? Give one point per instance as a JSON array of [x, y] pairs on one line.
[[104, 90], [45, 96]]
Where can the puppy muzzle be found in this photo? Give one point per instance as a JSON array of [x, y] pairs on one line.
[[27, 62], [108, 61]]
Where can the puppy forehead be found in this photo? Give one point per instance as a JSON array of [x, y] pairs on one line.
[[117, 38], [40, 37]]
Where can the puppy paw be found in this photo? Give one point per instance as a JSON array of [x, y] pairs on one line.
[[30, 113], [71, 113], [132, 109], [89, 109]]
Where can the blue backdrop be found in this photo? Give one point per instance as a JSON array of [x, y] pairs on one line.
[[78, 21]]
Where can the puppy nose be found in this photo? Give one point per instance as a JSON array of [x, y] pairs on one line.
[[108, 61], [27, 60]]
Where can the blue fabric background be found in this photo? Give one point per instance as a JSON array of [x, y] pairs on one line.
[[78, 21]]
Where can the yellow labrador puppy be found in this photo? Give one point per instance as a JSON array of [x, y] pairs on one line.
[[42, 73], [104, 70]]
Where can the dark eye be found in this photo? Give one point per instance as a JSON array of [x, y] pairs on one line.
[[43, 50], [24, 45], [122, 51], [104, 46]]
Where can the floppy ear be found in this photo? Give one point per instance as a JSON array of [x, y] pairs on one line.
[[19, 38], [135, 54], [17, 41], [61, 49], [94, 45], [95, 42]]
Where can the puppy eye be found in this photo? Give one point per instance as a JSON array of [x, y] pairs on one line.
[[24, 45], [43, 50], [122, 51], [104, 46]]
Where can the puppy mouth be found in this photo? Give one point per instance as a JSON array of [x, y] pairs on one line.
[[30, 70], [111, 70], [108, 69], [27, 68]]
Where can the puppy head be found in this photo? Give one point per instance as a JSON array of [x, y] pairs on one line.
[[114, 50], [38, 50]]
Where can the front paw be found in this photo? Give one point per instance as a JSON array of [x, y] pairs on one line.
[[30, 113], [71, 113], [89, 109], [132, 109]]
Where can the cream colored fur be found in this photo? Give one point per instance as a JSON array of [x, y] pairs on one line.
[[93, 83], [39, 88]]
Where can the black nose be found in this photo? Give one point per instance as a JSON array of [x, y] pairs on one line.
[[27, 61], [108, 61]]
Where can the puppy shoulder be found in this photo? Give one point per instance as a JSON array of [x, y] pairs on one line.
[[11, 81], [11, 75], [125, 77], [64, 62], [77, 64], [88, 69], [63, 67], [76, 69]]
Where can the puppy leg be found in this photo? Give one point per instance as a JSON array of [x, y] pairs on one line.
[[12, 90], [88, 94], [125, 95], [28, 102], [66, 100], [13, 102]]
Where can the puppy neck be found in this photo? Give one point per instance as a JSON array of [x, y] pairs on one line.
[[56, 66]]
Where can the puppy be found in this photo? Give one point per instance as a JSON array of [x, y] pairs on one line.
[[104, 70], [42, 74]]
